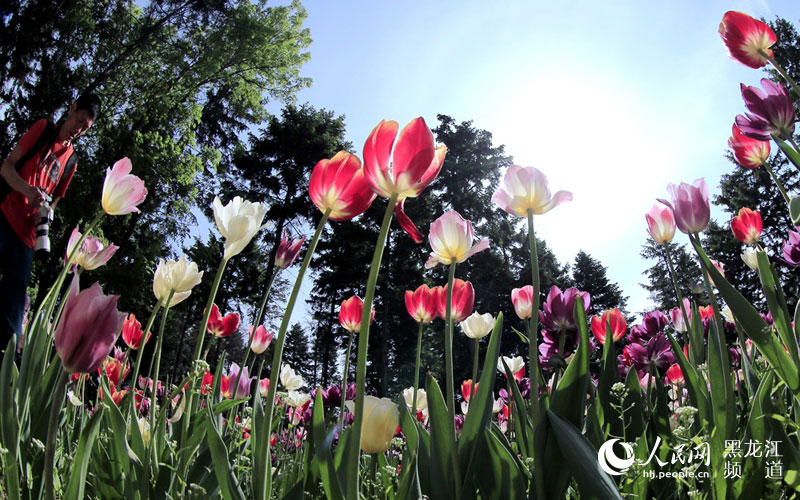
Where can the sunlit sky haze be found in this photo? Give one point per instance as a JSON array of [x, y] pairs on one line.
[[611, 100]]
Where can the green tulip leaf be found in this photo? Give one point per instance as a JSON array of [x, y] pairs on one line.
[[569, 398], [322, 443], [80, 462], [443, 442], [228, 485]]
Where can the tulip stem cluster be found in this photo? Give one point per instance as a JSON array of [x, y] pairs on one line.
[[157, 359], [351, 481], [448, 358], [344, 377], [52, 432], [416, 369], [256, 322], [278, 354], [678, 293], [140, 354], [533, 333]]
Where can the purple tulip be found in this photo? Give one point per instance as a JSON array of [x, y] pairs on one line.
[[559, 307], [771, 112], [791, 249], [653, 322], [690, 205], [243, 389], [88, 328], [332, 396], [657, 354]]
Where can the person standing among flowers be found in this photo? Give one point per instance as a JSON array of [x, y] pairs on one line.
[[41, 164]]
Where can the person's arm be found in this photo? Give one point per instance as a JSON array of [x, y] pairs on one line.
[[9, 173]]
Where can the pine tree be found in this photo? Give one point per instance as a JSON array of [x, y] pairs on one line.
[[660, 285], [589, 275]]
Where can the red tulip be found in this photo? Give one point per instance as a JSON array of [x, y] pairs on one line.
[[339, 184], [746, 38], [222, 326], [132, 332], [207, 384], [468, 388], [463, 300], [115, 370], [749, 152], [225, 386], [350, 314], [415, 163], [422, 304], [747, 226], [88, 328], [613, 318], [674, 375], [288, 251]]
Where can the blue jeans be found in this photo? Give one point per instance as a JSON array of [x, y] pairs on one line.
[[15, 270]]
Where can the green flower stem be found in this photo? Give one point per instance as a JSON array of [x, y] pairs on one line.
[[262, 487], [157, 359], [475, 357], [778, 183], [52, 432], [416, 369], [352, 478], [256, 321], [533, 334], [448, 345], [562, 339], [678, 293], [344, 378], [130, 408], [448, 360], [782, 71]]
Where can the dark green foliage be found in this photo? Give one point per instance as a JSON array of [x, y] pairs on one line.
[[589, 275], [659, 284]]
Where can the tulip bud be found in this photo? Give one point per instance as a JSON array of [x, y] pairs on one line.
[[350, 314], [660, 224], [421, 304], [522, 298], [750, 257], [287, 251], [261, 340], [615, 320], [132, 333], [747, 226]]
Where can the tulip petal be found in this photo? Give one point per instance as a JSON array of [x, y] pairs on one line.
[[413, 153], [406, 223]]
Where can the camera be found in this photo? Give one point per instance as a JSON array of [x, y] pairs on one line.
[[43, 228]]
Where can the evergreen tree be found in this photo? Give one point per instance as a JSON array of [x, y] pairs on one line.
[[660, 285], [296, 353], [589, 275]]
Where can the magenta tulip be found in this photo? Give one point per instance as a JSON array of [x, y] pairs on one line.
[[771, 112], [288, 251], [690, 205]]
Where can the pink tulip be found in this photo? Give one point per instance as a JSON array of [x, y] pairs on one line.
[[350, 314], [690, 206], [88, 328], [463, 300], [746, 38], [261, 340], [338, 184], [263, 387], [676, 315], [421, 304], [747, 226], [122, 192], [660, 224], [222, 326], [288, 251], [415, 164], [243, 389], [749, 152], [524, 189], [522, 298], [451, 239], [674, 375], [92, 253]]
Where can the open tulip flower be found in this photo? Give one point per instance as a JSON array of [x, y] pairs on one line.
[[379, 425], [222, 326], [747, 226], [132, 333], [791, 248], [770, 112], [690, 205], [749, 256], [88, 328], [525, 188], [516, 366], [175, 276], [660, 224], [243, 389], [350, 314], [238, 222], [463, 300], [422, 399], [122, 191], [749, 152], [291, 380], [451, 239], [339, 185], [288, 251], [674, 375], [261, 340], [747, 39], [92, 252], [558, 309], [477, 326], [421, 304], [415, 164], [615, 320]]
